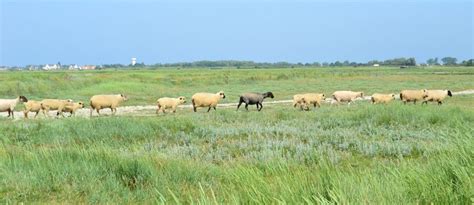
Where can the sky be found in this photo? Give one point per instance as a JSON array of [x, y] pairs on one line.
[[169, 31]]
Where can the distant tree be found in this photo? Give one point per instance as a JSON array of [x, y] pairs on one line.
[[432, 61], [469, 62], [325, 64], [411, 62], [317, 64], [449, 61]]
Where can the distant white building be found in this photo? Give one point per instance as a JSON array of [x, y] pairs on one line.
[[51, 67], [134, 61], [376, 65], [74, 67], [87, 67]]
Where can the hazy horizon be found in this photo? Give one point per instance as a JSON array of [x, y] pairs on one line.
[[106, 32]]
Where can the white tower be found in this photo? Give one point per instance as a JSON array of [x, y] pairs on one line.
[[134, 61]]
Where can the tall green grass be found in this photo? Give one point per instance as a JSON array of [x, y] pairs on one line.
[[356, 154]]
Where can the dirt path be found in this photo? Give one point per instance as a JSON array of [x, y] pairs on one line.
[[149, 110]]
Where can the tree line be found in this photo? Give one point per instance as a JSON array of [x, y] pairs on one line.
[[404, 62]]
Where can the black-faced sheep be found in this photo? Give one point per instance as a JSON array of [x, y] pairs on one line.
[[436, 96], [207, 100], [8, 105], [99, 102], [254, 99], [164, 103]]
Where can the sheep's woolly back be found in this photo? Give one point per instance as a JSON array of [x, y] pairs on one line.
[[106, 100], [410, 95], [382, 98], [346, 95], [7, 104], [206, 99], [33, 105]]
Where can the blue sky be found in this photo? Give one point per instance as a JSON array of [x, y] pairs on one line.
[[104, 32]]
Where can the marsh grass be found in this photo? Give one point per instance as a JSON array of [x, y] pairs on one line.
[[359, 154]]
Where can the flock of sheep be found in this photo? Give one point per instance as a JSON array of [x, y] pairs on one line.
[[210, 100]]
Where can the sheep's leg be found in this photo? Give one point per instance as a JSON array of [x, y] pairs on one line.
[[46, 112], [209, 109], [158, 110], [440, 103], [240, 103], [25, 113], [214, 108], [261, 106], [35, 114], [247, 106], [92, 109], [97, 109]]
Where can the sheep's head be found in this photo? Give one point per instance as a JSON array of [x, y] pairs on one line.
[[323, 96], [81, 104], [221, 94], [393, 95], [450, 94], [182, 100], [124, 97], [22, 98], [361, 94], [270, 95]]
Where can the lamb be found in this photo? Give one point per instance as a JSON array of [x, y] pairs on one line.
[[253, 98], [346, 96], [32, 106], [298, 100], [436, 96], [164, 103], [99, 102], [412, 95], [207, 100], [313, 99], [54, 104], [73, 107], [8, 105], [382, 98]]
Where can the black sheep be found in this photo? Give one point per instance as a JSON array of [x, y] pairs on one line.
[[254, 98]]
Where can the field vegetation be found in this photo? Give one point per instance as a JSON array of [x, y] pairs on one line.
[[358, 154]]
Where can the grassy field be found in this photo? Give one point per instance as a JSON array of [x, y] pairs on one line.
[[358, 154]]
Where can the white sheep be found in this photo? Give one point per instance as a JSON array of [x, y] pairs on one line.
[[382, 98], [165, 102], [412, 95], [73, 107], [314, 99], [207, 100], [54, 104], [436, 96], [8, 105], [32, 106], [298, 100], [99, 102], [346, 96]]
